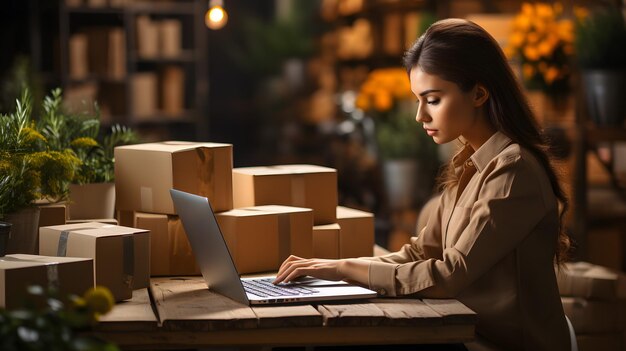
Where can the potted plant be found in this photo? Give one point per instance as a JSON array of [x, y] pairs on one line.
[[92, 191], [29, 170], [601, 53], [407, 154], [541, 41]]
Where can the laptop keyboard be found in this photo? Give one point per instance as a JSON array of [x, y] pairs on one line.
[[265, 288]]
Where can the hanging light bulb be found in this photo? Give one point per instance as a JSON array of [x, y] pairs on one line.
[[216, 17]]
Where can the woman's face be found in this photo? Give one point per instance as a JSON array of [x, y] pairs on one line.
[[445, 111]]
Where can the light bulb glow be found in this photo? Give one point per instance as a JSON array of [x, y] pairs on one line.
[[216, 17]]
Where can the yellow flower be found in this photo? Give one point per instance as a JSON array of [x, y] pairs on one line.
[[532, 38], [580, 12], [99, 300], [531, 53], [363, 102], [545, 48], [551, 74], [522, 23], [383, 101], [544, 11], [528, 9], [516, 40], [84, 142], [565, 30]]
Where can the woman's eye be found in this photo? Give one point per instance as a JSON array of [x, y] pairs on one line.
[[432, 102]]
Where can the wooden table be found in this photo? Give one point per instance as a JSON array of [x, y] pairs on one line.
[[182, 312]]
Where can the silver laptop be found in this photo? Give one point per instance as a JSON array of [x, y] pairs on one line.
[[221, 276]]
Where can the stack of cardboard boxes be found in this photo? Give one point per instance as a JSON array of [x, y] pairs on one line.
[[594, 299], [265, 213]]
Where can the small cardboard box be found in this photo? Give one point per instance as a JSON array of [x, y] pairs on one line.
[[326, 241], [594, 316], [69, 275], [145, 173], [252, 239], [356, 238], [583, 279], [169, 248], [121, 254], [305, 186], [295, 230]]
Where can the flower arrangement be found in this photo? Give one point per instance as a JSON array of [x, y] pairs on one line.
[[386, 96], [30, 168], [542, 39], [57, 323]]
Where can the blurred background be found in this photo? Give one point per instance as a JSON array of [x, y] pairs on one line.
[[320, 82]]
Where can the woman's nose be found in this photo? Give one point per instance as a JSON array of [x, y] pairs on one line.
[[421, 115]]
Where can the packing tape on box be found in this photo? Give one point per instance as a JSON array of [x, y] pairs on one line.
[[63, 239], [206, 172], [129, 260], [284, 236], [298, 190]]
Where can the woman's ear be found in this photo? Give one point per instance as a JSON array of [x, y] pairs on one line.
[[481, 94]]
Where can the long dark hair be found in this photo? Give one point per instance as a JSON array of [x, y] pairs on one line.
[[462, 52]]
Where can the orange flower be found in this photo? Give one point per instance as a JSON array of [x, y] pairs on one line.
[[383, 101], [531, 53]]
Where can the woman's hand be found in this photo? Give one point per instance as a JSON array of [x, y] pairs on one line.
[[352, 270]]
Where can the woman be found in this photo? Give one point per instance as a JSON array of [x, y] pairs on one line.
[[497, 232]]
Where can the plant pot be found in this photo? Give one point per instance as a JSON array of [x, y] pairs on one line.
[[604, 92], [24, 238], [5, 234], [92, 201], [400, 179]]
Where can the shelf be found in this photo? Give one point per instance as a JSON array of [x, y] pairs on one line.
[[165, 8], [96, 79], [86, 10], [177, 8], [163, 119], [186, 56]]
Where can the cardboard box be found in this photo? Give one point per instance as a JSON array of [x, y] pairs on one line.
[[326, 241], [69, 275], [173, 90], [593, 316], [169, 248], [306, 186], [583, 279], [52, 214], [121, 254], [252, 239], [356, 238], [125, 218], [145, 173], [295, 230]]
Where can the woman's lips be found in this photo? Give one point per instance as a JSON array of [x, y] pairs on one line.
[[430, 132]]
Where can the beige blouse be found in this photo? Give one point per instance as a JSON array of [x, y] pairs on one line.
[[490, 244]]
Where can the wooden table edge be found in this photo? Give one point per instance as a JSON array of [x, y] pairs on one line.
[[306, 336]]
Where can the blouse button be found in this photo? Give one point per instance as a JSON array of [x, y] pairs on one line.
[[382, 292], [469, 163]]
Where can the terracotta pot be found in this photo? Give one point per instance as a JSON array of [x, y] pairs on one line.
[[24, 237], [92, 201]]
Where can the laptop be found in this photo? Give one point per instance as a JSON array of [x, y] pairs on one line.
[[220, 273]]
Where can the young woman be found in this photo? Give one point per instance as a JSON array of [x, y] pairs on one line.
[[497, 233]]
